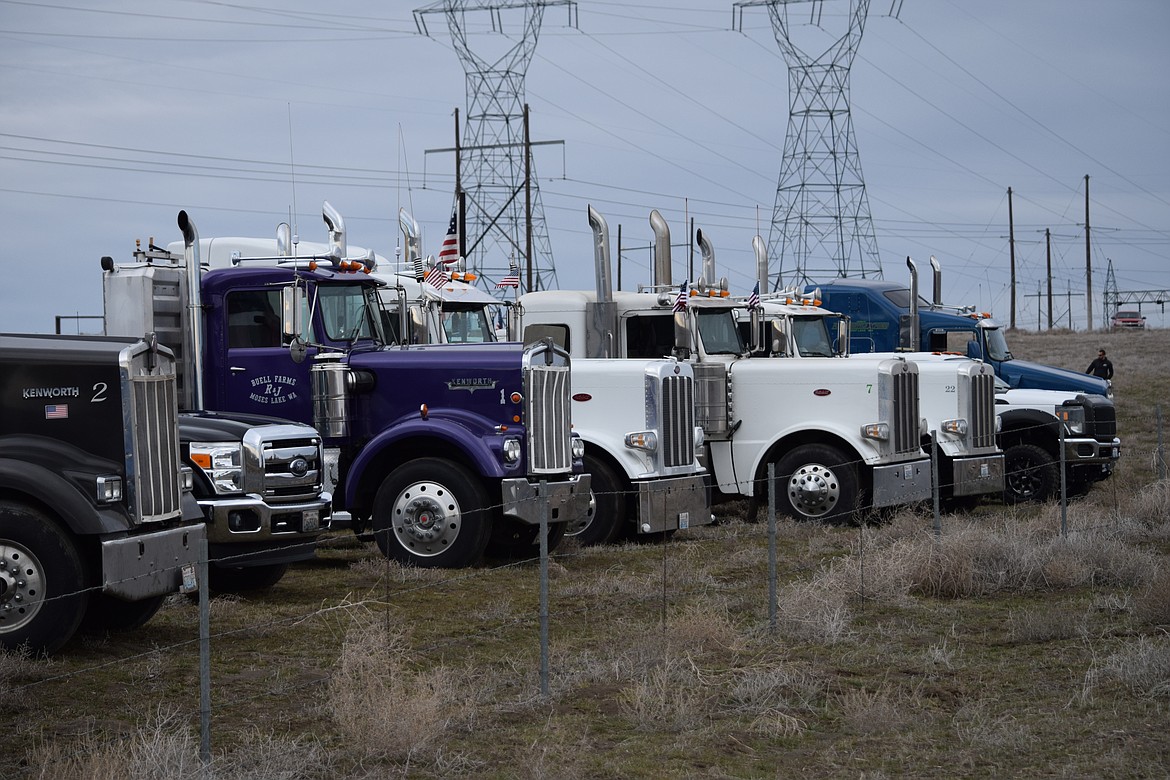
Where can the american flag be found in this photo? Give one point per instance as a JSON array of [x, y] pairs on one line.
[[437, 277], [680, 300], [449, 252], [753, 301], [56, 411], [420, 271], [512, 279]]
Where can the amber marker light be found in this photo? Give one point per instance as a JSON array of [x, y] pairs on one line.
[[201, 459], [516, 397], [424, 411]]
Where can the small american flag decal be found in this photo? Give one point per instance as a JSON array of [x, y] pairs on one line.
[[56, 411]]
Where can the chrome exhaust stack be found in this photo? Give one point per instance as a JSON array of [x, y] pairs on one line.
[[336, 226], [662, 276], [599, 339], [937, 300], [193, 337], [908, 338]]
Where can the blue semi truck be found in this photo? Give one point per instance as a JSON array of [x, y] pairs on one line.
[[890, 317], [440, 449]]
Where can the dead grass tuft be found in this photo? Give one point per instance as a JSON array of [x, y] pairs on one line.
[[387, 709], [167, 747], [1152, 604], [1143, 667]]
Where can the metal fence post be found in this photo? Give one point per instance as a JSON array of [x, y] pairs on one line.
[[934, 486], [772, 608], [1063, 489], [204, 658], [544, 588], [1161, 467]]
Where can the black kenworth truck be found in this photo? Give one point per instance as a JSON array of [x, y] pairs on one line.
[[97, 521]]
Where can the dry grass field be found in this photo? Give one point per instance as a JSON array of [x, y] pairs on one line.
[[996, 647]]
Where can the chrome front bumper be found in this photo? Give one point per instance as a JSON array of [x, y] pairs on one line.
[[567, 499]]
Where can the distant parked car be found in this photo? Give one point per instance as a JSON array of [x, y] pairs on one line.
[[1128, 318]]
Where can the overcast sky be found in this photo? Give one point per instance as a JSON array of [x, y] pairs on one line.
[[115, 115]]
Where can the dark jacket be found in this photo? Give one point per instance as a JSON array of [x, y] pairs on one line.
[[1101, 367]]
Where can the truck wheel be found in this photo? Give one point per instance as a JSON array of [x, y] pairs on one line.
[[239, 579], [42, 579], [607, 506], [109, 613], [432, 513], [816, 483], [1029, 474]]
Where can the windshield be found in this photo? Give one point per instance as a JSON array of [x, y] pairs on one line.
[[350, 312], [901, 299], [718, 331], [812, 337], [467, 324], [997, 348]]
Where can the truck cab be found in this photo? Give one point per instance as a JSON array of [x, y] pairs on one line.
[[888, 316]]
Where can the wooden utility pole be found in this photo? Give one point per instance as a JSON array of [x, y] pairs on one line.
[[1048, 252], [1088, 261], [1012, 254]]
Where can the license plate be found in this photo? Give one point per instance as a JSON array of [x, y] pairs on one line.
[[684, 521], [311, 520]]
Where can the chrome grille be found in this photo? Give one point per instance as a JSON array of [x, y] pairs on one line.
[[904, 413], [288, 461], [678, 421], [151, 417], [982, 412], [547, 390]]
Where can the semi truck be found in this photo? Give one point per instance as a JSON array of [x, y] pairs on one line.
[[842, 436], [439, 447], [636, 419], [890, 317], [956, 397], [97, 520]]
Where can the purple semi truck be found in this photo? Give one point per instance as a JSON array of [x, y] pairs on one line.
[[440, 449]]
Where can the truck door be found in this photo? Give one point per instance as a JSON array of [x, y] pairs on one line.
[[259, 375]]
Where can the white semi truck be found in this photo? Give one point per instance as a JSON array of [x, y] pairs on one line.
[[843, 436], [956, 395]]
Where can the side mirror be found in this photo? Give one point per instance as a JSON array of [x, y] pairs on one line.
[[298, 349], [292, 301]]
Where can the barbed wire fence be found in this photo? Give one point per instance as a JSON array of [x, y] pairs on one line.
[[210, 640]]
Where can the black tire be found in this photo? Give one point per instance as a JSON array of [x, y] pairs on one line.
[[42, 581], [512, 539], [432, 513], [816, 482], [607, 506], [1029, 474], [109, 613], [240, 579]]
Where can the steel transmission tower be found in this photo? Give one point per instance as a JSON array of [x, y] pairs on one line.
[[499, 184], [821, 225]]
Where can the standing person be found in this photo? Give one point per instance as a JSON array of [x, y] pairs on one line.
[[1101, 366]]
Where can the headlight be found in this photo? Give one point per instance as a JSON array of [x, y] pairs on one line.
[[511, 450], [577, 447], [878, 431], [642, 440], [957, 427], [109, 489], [1073, 417], [222, 463]]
